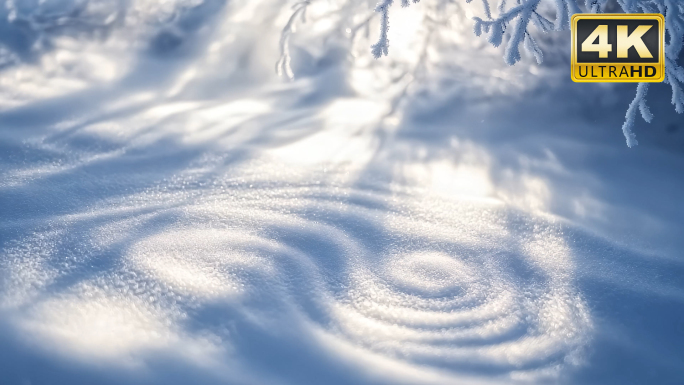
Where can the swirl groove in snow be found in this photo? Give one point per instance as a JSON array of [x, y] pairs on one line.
[[457, 287]]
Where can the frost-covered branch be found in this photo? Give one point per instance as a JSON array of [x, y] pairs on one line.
[[380, 48], [639, 103], [283, 66], [674, 73], [514, 23]]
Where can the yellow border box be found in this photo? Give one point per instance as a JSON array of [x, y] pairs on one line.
[[636, 16]]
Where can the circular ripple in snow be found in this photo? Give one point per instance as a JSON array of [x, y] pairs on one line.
[[463, 286]]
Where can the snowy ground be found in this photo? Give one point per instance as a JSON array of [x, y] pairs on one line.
[[171, 212]]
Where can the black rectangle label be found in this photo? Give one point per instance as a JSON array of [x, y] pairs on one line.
[[618, 47], [650, 39]]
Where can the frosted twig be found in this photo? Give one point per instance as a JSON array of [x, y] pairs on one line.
[[283, 66]]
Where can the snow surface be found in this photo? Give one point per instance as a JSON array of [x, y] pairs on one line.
[[173, 213]]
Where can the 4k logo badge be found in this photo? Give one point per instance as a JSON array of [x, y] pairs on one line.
[[618, 47]]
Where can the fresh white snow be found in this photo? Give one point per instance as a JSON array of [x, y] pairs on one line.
[[172, 212]]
